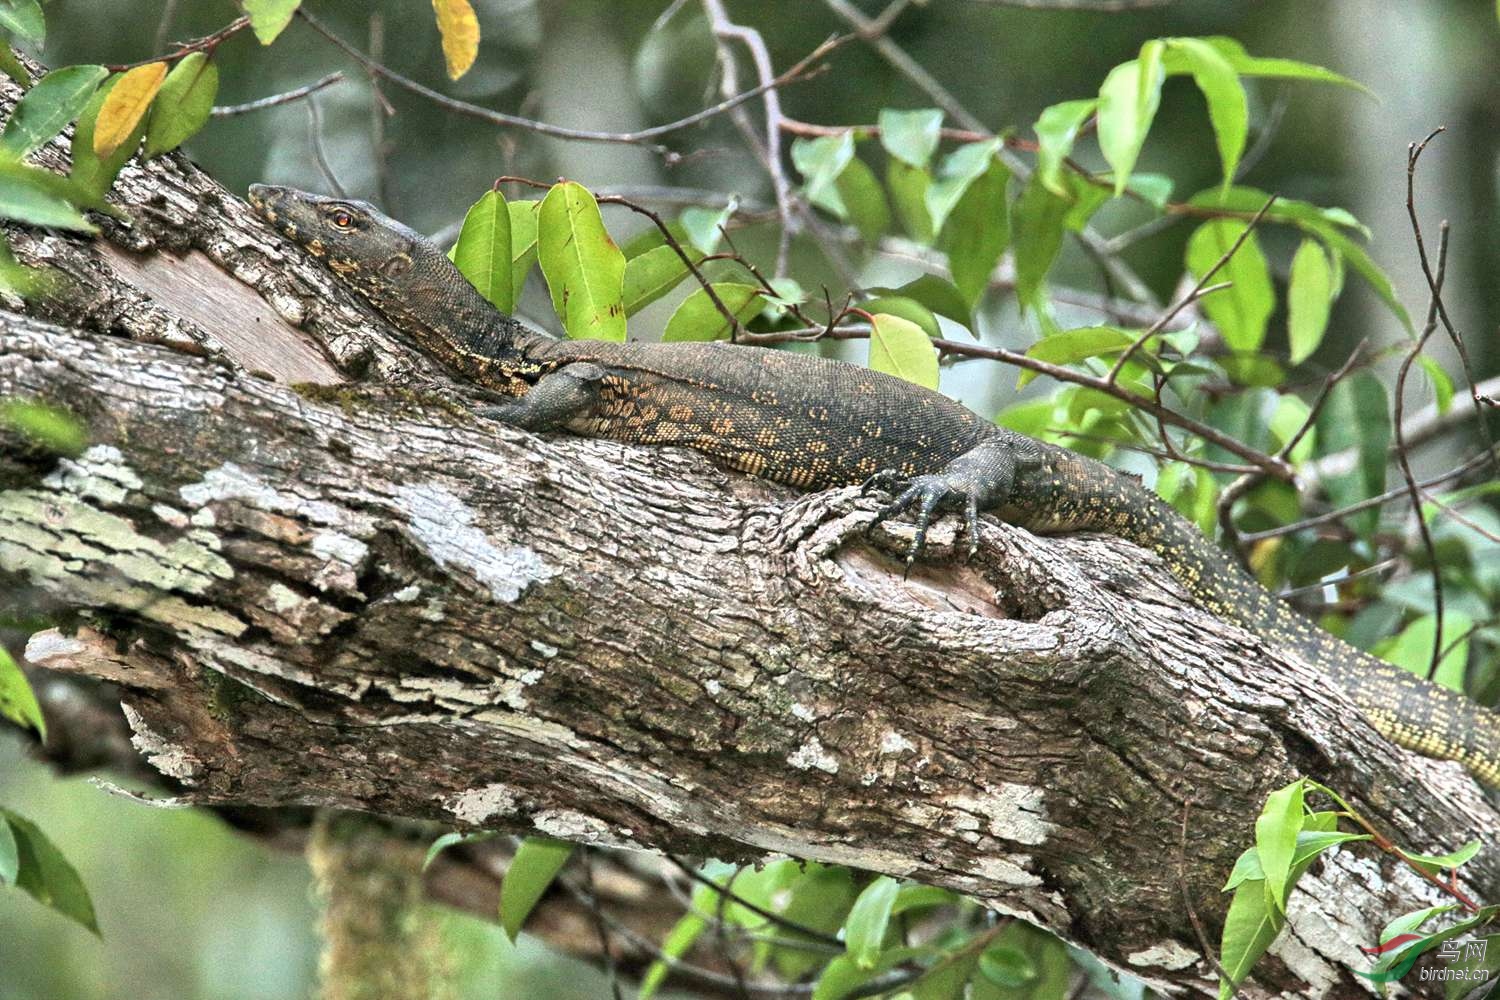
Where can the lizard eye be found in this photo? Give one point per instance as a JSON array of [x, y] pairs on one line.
[[342, 220]]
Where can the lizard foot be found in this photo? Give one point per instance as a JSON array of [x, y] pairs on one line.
[[928, 495]]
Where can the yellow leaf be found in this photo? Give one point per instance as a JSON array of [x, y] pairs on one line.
[[460, 30], [125, 106]]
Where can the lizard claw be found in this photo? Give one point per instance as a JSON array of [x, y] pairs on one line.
[[928, 494]]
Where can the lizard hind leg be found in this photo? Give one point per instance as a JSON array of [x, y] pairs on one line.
[[557, 397], [977, 480]]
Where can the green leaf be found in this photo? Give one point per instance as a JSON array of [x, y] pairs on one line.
[[678, 942], [908, 186], [49, 427], [844, 975], [1246, 867], [183, 104], [24, 18], [1249, 929], [1308, 300], [821, 162], [1086, 199], [705, 226], [922, 897], [697, 318], [1155, 188], [89, 172], [584, 269], [1355, 256], [1356, 416], [17, 701], [483, 251], [819, 899], [43, 111], [908, 309], [1276, 832], [1442, 382], [864, 201], [1072, 346], [268, 18], [38, 197], [1128, 100], [955, 173], [1037, 227], [1241, 311], [1283, 69], [448, 840], [653, 274], [1048, 971], [864, 930], [1434, 862], [1291, 413], [946, 979], [46, 875], [1006, 966], [899, 347], [523, 242], [978, 231], [10, 857], [1228, 110], [911, 136], [936, 294], [13, 67], [1056, 131], [1305, 215], [1412, 649], [1311, 843], [531, 871]]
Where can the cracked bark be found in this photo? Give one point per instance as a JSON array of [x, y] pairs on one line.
[[366, 599]]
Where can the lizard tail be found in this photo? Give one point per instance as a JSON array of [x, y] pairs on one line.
[[1408, 710]]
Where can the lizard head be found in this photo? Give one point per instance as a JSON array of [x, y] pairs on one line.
[[402, 274], [375, 254]]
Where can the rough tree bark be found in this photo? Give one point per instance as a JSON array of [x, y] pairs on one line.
[[368, 599]]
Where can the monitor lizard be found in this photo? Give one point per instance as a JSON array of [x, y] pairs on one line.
[[816, 423]]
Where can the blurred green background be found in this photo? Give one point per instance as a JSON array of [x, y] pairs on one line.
[[189, 909]]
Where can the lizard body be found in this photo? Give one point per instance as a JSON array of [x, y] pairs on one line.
[[815, 423]]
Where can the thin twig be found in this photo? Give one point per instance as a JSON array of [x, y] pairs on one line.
[[168, 13], [722, 935], [207, 43], [760, 911], [1096, 6], [315, 140], [1245, 483], [648, 947], [276, 100], [380, 109], [607, 953], [1194, 294], [1371, 570], [726, 30], [1435, 284], [1187, 903], [803, 69], [1338, 514]]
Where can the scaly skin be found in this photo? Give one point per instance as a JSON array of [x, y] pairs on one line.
[[814, 424]]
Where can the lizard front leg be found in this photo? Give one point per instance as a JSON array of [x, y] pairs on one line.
[[979, 479], [558, 397]]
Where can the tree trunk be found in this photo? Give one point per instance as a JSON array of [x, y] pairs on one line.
[[368, 599]]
